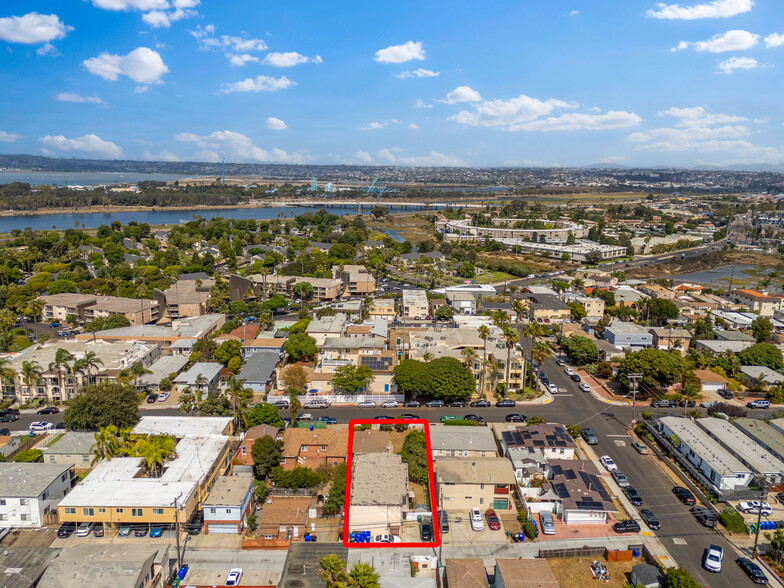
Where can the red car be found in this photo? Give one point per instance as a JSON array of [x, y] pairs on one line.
[[493, 521]]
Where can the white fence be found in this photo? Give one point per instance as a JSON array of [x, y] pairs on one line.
[[351, 399]]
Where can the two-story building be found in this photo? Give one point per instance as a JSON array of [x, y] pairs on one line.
[[551, 439], [628, 335], [228, 505], [463, 484], [313, 449], [30, 492], [467, 442], [415, 304]]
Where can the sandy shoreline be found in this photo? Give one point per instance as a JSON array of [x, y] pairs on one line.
[[105, 209]]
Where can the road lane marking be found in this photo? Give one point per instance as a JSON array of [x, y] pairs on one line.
[[627, 436], [620, 443], [679, 541]]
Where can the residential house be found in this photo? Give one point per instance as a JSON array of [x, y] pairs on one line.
[[415, 304], [524, 573], [462, 302], [203, 376], [710, 381], [74, 448], [465, 573], [728, 335], [628, 335], [430, 258], [546, 308], [30, 492], [9, 444], [312, 449], [609, 352], [243, 455], [383, 308], [160, 369], [504, 307], [719, 347], [228, 505], [371, 441], [83, 308], [577, 484], [463, 484], [626, 296], [327, 326], [594, 307], [184, 298], [657, 291], [761, 376], [671, 338], [285, 517], [260, 371], [267, 344], [370, 351], [468, 442], [376, 507], [550, 438]]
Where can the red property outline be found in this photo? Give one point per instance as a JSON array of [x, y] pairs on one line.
[[430, 474]]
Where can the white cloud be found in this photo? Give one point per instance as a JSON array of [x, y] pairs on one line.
[[418, 73], [697, 116], [91, 144], [202, 31], [613, 119], [142, 65], [162, 156], [32, 28], [774, 40], [258, 84], [275, 124], [363, 157], [401, 53], [461, 94], [241, 59], [237, 147], [233, 44], [289, 59], [141, 89], [574, 12], [142, 5], [433, 159], [421, 104], [47, 49], [736, 40], [9, 137], [160, 19], [715, 9], [375, 125], [612, 159], [503, 113], [74, 97], [730, 65], [157, 13], [413, 126]]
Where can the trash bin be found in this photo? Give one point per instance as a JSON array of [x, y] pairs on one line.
[[635, 552]]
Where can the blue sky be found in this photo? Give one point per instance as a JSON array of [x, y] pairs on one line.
[[434, 82]]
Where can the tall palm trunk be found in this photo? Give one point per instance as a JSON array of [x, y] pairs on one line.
[[483, 375]]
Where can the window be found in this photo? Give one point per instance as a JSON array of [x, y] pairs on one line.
[[101, 510], [137, 512], [2, 502], [481, 501], [88, 512], [45, 495], [70, 510], [481, 486], [244, 450], [119, 510], [3, 517], [23, 501], [323, 448], [85, 458], [213, 511], [63, 477], [52, 459], [25, 517], [157, 511], [228, 511], [303, 448]]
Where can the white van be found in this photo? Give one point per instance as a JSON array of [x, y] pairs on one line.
[[477, 522], [547, 523]]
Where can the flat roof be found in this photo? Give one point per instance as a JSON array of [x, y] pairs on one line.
[[72, 443], [161, 368], [764, 434], [754, 455], [26, 480], [479, 470], [182, 426], [21, 567], [209, 370], [462, 438], [720, 460], [229, 491], [95, 564], [368, 469], [415, 297], [526, 573]]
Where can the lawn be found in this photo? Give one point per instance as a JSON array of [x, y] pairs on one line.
[[493, 277]]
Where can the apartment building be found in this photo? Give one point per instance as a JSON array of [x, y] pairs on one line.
[[30, 492], [357, 280], [761, 303], [668, 339], [378, 507], [383, 308], [551, 439], [312, 449], [415, 304], [84, 308], [628, 335], [594, 307], [184, 298], [463, 484]]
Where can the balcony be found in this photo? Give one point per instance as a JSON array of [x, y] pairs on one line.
[[501, 490]]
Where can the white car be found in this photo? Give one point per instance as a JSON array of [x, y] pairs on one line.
[[477, 522], [386, 539], [234, 577], [85, 529], [753, 506], [41, 426], [552, 388], [366, 404], [584, 387], [390, 404], [163, 397], [713, 556], [569, 372], [608, 463]]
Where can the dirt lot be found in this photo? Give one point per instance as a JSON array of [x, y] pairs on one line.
[[705, 262], [407, 225], [39, 537], [577, 571]]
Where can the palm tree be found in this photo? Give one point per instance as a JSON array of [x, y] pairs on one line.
[[62, 363], [239, 395], [541, 351], [31, 374], [364, 575], [154, 451], [484, 335], [7, 373], [106, 444], [333, 571], [427, 356], [89, 362], [294, 403], [519, 308], [200, 381], [34, 308], [511, 339]]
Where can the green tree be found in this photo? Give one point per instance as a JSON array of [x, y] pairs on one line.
[[266, 453], [659, 368], [303, 290], [333, 503], [762, 354], [29, 455], [31, 374], [106, 444], [101, 405], [155, 450], [61, 364], [414, 454], [678, 578], [333, 571], [352, 378], [263, 414], [761, 328], [444, 312], [364, 575], [578, 311], [450, 379], [228, 350], [703, 328], [299, 477], [300, 346], [580, 350], [659, 311], [412, 377]]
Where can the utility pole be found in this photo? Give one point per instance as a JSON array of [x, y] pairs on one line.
[[177, 529], [634, 380], [763, 496]]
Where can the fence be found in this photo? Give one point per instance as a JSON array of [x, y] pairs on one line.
[[293, 492], [584, 551], [349, 398]]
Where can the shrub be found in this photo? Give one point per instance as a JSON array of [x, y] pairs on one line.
[[29, 455], [536, 421], [731, 410], [463, 423], [732, 520]]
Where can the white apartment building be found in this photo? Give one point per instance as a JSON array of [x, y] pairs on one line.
[[30, 491], [415, 304]]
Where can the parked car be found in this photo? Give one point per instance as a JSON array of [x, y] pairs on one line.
[[620, 478], [84, 529], [327, 419], [390, 404], [435, 404], [754, 506], [234, 577], [426, 532], [684, 495], [608, 463], [663, 403], [547, 523], [704, 516], [5, 432], [280, 404], [98, 530], [305, 416], [49, 410], [560, 361], [779, 496], [505, 404], [4, 532], [152, 399], [41, 426], [448, 417], [316, 404], [386, 539], [640, 448], [443, 519], [687, 403], [552, 388], [409, 417], [474, 417], [457, 404], [156, 532], [366, 404], [384, 417], [477, 522], [726, 394], [584, 387], [66, 530], [632, 494], [626, 526], [758, 404], [163, 397], [576, 378], [481, 404], [569, 372], [589, 436], [713, 557], [124, 531], [8, 418], [650, 519], [515, 418], [140, 531], [752, 570], [412, 404], [493, 522]]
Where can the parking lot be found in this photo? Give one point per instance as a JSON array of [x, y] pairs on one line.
[[460, 531]]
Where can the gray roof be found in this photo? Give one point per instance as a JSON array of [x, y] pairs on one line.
[[165, 365], [761, 371], [229, 491], [477, 470], [208, 369], [577, 483], [367, 469], [22, 567], [462, 438], [763, 434], [72, 443], [750, 453], [725, 335], [354, 343], [259, 366], [547, 301], [722, 346], [28, 480], [91, 564]]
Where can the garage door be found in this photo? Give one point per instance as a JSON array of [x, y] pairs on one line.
[[223, 529], [501, 503]]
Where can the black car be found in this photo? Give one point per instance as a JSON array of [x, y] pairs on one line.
[[704, 517], [8, 418], [481, 404], [576, 378], [684, 495], [779, 496], [66, 530], [515, 418], [727, 395], [152, 399], [60, 426], [412, 404], [49, 410], [98, 530], [426, 532], [384, 417], [140, 531], [663, 403], [506, 404], [474, 417], [409, 417], [435, 404], [195, 524], [687, 404], [627, 526], [5, 432], [632, 494], [650, 519], [457, 404], [12, 411], [752, 570]]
